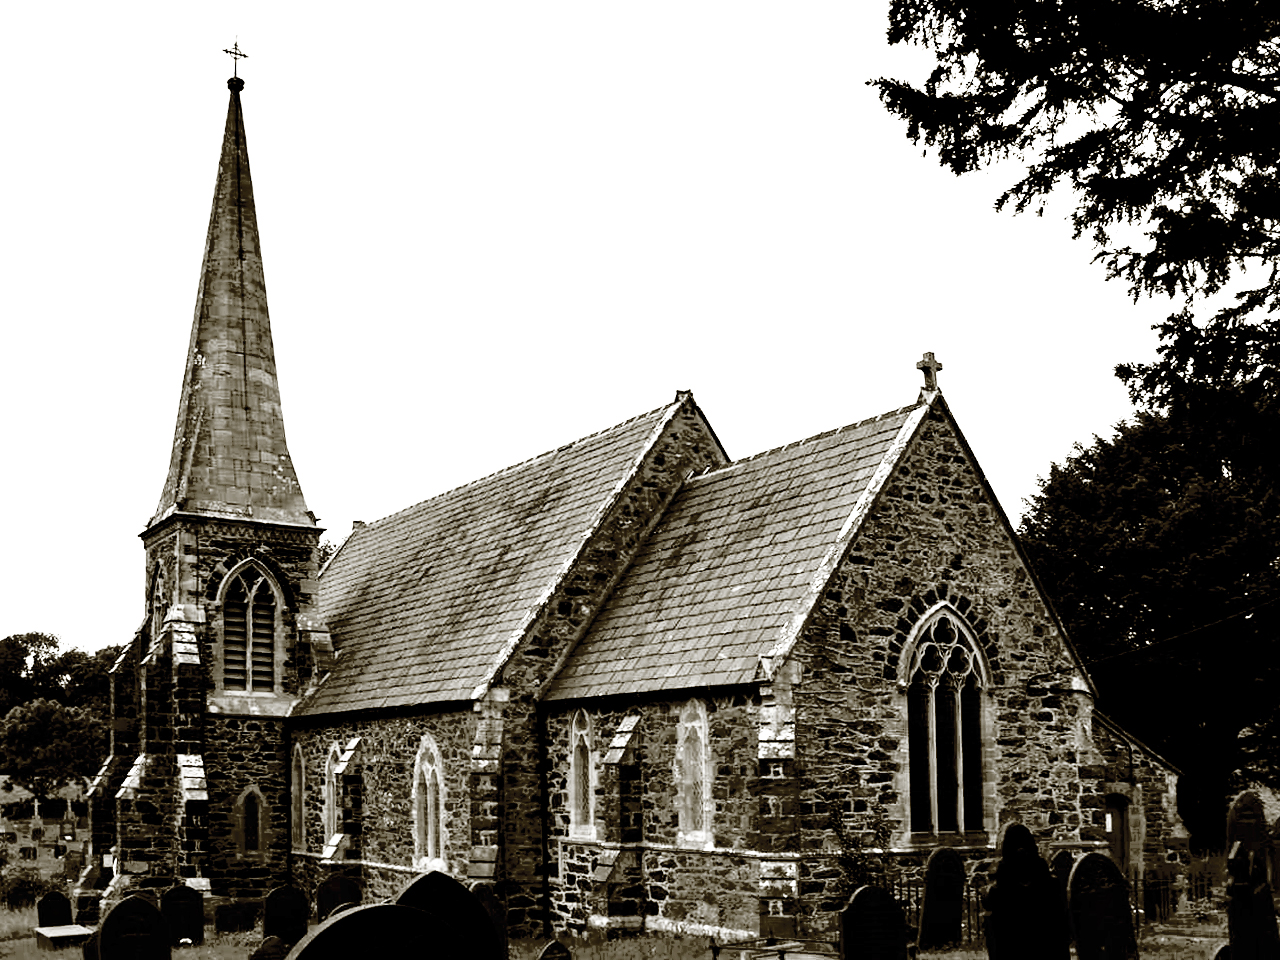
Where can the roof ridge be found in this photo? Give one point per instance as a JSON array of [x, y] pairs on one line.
[[520, 464], [799, 443]]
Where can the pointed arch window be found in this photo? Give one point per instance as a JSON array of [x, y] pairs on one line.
[[332, 796], [693, 775], [428, 806], [944, 726], [249, 618], [581, 778], [297, 796], [248, 826]]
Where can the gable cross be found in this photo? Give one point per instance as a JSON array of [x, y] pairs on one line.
[[930, 367], [236, 57]]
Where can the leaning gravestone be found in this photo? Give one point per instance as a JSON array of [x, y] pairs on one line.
[[872, 927], [183, 910], [1025, 913], [942, 908], [1100, 911], [335, 892], [451, 906], [377, 929], [133, 930], [285, 913], [1251, 915]]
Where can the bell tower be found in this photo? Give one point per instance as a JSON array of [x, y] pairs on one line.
[[199, 769]]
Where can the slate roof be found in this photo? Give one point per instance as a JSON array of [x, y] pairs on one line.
[[423, 604], [729, 567]]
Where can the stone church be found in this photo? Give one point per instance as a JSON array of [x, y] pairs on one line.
[[632, 683]]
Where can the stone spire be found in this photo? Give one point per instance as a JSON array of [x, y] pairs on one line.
[[229, 455]]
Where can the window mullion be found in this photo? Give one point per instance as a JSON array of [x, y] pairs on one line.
[[958, 738], [932, 726]]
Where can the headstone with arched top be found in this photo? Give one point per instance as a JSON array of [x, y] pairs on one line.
[[1025, 912], [873, 927], [334, 892], [1251, 915], [450, 905], [942, 907], [1100, 912], [134, 930]]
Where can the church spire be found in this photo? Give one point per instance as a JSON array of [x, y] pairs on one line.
[[229, 454]]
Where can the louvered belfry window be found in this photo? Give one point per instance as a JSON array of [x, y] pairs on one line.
[[249, 632]]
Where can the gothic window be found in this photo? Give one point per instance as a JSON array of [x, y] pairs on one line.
[[428, 806], [297, 784], [332, 796], [248, 823], [581, 771], [693, 774], [944, 726], [249, 610]]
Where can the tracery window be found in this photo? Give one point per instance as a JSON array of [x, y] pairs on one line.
[[693, 774], [298, 785], [944, 726], [249, 608], [428, 806], [581, 771], [332, 796]]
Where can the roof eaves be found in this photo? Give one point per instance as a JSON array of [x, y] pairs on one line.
[[790, 633], [531, 616], [1121, 732]]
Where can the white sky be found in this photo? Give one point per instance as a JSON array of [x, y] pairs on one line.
[[489, 229]]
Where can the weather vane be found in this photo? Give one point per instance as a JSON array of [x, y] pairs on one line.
[[236, 57]]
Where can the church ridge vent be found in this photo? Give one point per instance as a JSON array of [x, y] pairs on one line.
[[716, 471], [454, 491]]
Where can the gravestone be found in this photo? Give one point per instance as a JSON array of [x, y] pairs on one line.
[[235, 917], [133, 930], [285, 912], [183, 910], [1100, 912], [942, 907], [335, 891], [555, 950], [451, 907], [1024, 911], [53, 910], [55, 929], [377, 930], [1063, 861], [271, 948], [486, 891], [1251, 915], [873, 927]]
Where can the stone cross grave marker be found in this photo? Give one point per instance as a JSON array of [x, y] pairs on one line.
[[942, 908], [1251, 915], [555, 950], [53, 910], [376, 929], [133, 930], [334, 892], [1025, 912], [285, 912], [873, 927], [453, 908], [183, 910], [1100, 913]]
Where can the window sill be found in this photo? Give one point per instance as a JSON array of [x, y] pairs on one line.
[[253, 704], [970, 838]]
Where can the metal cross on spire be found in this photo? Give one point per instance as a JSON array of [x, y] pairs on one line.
[[930, 367], [236, 57]]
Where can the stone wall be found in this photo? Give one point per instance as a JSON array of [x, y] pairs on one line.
[[637, 872], [933, 537], [383, 762]]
